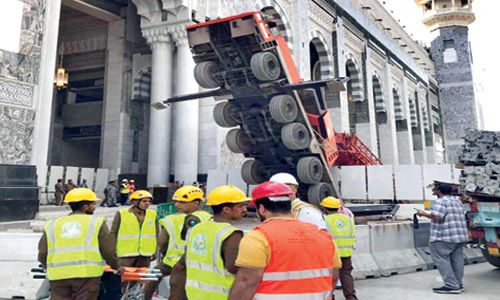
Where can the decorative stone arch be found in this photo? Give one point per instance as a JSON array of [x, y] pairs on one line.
[[273, 9], [398, 105], [355, 84], [413, 111], [142, 85], [378, 93], [324, 53]]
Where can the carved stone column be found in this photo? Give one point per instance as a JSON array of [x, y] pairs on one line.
[[186, 119], [160, 120]]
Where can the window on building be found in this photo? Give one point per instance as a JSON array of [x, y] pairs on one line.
[[449, 54]]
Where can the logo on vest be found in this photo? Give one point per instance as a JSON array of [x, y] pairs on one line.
[[150, 222], [71, 230], [341, 225], [199, 244]]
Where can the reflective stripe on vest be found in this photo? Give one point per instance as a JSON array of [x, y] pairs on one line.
[[202, 215], [124, 189], [343, 231], [176, 245], [206, 276], [296, 270], [136, 239], [297, 206], [73, 247]]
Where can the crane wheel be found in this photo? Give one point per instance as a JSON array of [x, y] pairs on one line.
[[295, 136], [310, 170], [224, 114], [265, 66], [204, 74], [283, 109]]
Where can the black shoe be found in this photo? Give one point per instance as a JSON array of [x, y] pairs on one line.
[[462, 289], [446, 290]]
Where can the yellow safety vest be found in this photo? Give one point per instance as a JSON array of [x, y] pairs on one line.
[[124, 189], [73, 247], [134, 239], [343, 231], [206, 276], [173, 224], [297, 206]]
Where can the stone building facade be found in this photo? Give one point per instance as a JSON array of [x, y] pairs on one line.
[[123, 55]]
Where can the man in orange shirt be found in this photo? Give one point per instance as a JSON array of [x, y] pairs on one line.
[[284, 257]]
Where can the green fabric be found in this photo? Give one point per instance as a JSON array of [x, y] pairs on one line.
[[207, 277], [343, 231], [135, 239], [73, 247]]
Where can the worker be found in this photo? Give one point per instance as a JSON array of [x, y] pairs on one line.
[[212, 247], [171, 241], [131, 186], [124, 192], [134, 231], [301, 210], [72, 249], [343, 231], [274, 259]]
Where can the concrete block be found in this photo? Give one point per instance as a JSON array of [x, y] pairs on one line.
[[421, 237], [409, 183], [56, 172], [71, 173], [394, 250], [364, 265], [353, 182], [215, 178], [473, 256], [101, 180], [380, 182]]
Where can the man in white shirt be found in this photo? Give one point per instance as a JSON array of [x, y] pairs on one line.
[[301, 210]]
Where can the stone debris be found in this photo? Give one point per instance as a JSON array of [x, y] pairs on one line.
[[480, 158]]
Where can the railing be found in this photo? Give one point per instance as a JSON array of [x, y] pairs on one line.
[[431, 13]]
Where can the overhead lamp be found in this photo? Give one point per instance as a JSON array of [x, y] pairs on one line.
[[62, 77]]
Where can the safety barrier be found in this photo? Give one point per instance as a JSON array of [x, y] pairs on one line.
[[421, 237], [364, 265], [394, 250], [473, 256]]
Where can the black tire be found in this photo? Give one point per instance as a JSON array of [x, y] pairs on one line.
[[204, 74], [492, 260], [224, 114], [251, 172], [316, 193], [237, 141], [295, 136], [283, 109], [310, 170], [265, 66]]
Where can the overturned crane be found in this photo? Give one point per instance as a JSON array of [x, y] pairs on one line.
[[282, 122]]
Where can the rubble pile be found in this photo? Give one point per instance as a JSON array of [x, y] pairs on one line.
[[480, 159]]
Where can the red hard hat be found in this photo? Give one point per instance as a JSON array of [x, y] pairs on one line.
[[272, 190]]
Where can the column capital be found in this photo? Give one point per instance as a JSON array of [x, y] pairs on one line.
[[179, 34], [157, 37]]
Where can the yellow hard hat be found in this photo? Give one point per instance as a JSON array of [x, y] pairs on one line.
[[80, 194], [331, 202], [141, 194], [188, 193], [226, 194]]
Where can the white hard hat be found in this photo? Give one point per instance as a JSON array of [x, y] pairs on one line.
[[124, 180], [284, 178], [131, 180]]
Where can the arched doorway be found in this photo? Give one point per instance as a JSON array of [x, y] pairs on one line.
[[358, 109], [274, 10], [380, 108]]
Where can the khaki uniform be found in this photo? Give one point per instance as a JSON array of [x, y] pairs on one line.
[[79, 288]]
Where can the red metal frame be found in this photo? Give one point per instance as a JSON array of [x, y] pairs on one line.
[[353, 152]]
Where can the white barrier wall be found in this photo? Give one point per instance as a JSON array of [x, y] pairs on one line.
[[380, 182], [405, 182], [71, 173], [88, 174], [408, 182], [435, 172], [353, 184], [216, 178], [56, 172], [101, 180], [234, 178]]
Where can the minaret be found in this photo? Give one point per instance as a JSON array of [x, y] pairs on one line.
[[451, 52]]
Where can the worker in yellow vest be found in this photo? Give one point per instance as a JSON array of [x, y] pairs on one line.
[[135, 231], [212, 247], [343, 231], [124, 192], [73, 249], [171, 241]]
